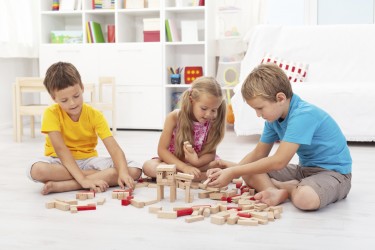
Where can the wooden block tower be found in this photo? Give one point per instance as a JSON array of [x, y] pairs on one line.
[[165, 176], [183, 181]]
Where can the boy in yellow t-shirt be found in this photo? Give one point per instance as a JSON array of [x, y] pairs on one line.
[[72, 127]]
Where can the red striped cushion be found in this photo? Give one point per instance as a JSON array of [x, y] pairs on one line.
[[296, 71]]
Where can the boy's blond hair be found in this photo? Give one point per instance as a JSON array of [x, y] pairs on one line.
[[202, 85], [61, 75], [266, 81]]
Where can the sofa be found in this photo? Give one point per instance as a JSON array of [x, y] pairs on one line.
[[340, 73]]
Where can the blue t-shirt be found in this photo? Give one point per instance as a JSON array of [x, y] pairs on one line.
[[322, 144]]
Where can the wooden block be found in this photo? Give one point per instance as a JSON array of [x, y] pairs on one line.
[[206, 212], [205, 183], [271, 216], [260, 206], [50, 204], [279, 208], [223, 207], [147, 203], [141, 184], [261, 221], [184, 176], [216, 196], [214, 209], [212, 189], [152, 185], [73, 209], [155, 209], [224, 214], [167, 215], [276, 214], [194, 218], [62, 206], [204, 194], [247, 222], [195, 212], [232, 219], [218, 220], [259, 215], [101, 201], [137, 204]]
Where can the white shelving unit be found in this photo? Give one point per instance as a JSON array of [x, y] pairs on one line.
[[182, 54], [140, 68]]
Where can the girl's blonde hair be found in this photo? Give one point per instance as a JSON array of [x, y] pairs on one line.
[[266, 81], [202, 85]]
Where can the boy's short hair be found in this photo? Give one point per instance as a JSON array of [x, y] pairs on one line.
[[61, 75], [266, 81]]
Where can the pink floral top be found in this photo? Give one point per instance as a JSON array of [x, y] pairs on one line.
[[200, 136]]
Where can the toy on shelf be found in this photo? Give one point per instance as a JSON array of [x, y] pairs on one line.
[[192, 72]]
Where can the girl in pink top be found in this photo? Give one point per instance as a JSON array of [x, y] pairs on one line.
[[191, 135]]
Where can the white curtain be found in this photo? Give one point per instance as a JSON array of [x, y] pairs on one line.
[[19, 28]]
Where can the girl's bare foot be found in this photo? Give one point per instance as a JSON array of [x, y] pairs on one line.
[[272, 196]]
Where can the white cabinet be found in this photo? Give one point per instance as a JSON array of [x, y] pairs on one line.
[[183, 53], [141, 107], [144, 92]]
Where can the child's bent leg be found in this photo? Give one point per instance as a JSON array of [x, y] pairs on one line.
[[44, 172], [149, 167], [108, 175], [267, 192]]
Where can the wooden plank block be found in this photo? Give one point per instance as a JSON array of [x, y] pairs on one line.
[[137, 204], [218, 220], [50, 204], [247, 222], [101, 201], [154, 209], [167, 215], [194, 218]]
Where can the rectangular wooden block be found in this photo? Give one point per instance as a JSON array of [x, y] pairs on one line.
[[194, 218], [167, 215], [154, 209], [218, 220], [247, 222]]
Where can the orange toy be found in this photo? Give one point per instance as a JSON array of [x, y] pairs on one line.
[[192, 72]]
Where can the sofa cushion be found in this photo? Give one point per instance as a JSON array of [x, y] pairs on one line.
[[295, 71]]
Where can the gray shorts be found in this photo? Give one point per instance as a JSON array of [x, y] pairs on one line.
[[330, 186], [92, 163]]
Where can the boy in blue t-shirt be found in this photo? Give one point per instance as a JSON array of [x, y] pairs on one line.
[[323, 174]]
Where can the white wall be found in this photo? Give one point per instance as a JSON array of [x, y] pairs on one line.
[[9, 70]]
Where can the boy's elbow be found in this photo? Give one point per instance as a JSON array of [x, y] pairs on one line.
[[279, 164]]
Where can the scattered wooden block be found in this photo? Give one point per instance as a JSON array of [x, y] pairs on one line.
[[194, 218], [247, 222], [50, 204], [218, 220], [101, 201], [155, 209], [137, 204], [167, 215]]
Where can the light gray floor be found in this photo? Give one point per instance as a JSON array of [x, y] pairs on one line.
[[26, 224]]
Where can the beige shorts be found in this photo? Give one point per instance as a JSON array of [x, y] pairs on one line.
[[92, 163], [330, 186]]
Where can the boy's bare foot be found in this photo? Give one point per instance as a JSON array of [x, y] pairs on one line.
[[287, 185], [272, 196]]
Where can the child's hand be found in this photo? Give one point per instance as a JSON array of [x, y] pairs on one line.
[[192, 170], [96, 185], [127, 179], [220, 177], [190, 155]]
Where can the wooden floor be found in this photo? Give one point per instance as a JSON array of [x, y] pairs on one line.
[[26, 224]]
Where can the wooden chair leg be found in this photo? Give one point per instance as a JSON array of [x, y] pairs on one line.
[[32, 126]]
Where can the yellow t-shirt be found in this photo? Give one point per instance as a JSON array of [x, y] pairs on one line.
[[80, 137]]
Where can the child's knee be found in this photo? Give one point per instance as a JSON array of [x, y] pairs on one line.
[[38, 171], [149, 168], [305, 198], [135, 173]]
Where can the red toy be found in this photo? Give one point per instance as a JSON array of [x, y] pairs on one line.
[[192, 72]]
